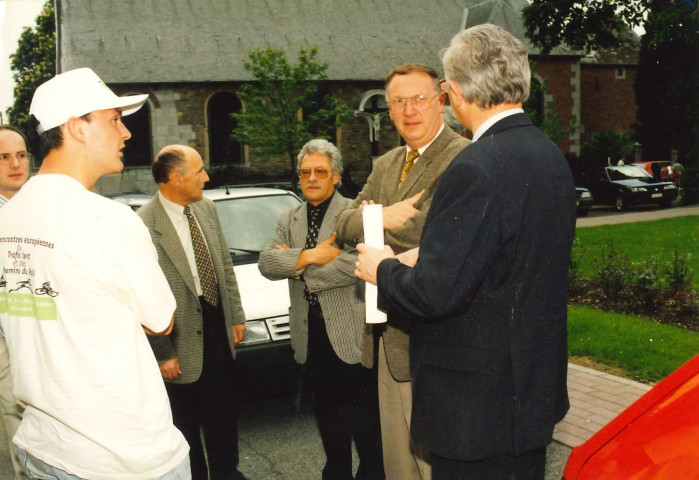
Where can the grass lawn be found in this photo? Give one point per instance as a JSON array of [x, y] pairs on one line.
[[645, 350], [640, 240]]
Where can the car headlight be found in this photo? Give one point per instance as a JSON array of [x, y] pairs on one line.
[[669, 187], [585, 195], [639, 189], [255, 332]]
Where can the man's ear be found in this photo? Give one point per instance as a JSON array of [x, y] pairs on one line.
[[174, 178], [75, 127]]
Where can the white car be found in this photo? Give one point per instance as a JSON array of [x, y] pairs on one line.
[[249, 217]]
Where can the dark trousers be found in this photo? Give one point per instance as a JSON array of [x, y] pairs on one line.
[[345, 405], [209, 403], [528, 466]]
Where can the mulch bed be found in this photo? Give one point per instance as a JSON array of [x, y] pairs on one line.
[[680, 308]]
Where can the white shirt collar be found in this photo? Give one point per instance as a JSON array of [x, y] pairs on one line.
[[169, 206], [493, 120], [422, 149]]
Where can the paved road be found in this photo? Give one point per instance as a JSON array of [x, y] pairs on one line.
[[278, 443], [607, 215]]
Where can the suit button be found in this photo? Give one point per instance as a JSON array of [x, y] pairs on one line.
[[198, 332]]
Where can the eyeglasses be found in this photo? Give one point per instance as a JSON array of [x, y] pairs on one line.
[[420, 102], [22, 157], [442, 84], [305, 173]]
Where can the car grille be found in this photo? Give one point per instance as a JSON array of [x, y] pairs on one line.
[[279, 328]]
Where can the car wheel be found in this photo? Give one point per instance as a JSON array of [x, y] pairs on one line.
[[583, 213], [619, 204]]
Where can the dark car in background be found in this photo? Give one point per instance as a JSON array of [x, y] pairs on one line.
[[625, 185], [583, 201], [265, 362], [657, 437]]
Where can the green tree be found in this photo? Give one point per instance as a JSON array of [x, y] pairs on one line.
[[33, 62], [582, 25], [607, 146], [667, 82], [284, 108]]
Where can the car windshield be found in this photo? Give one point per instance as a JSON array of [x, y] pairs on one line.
[[249, 223], [626, 172]]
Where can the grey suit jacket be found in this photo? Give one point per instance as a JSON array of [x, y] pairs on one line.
[[186, 340], [340, 293], [382, 187]]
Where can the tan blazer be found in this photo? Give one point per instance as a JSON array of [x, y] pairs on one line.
[[382, 187], [186, 340], [340, 293]]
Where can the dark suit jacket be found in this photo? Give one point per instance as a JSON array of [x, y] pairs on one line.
[[487, 297], [382, 187], [186, 340]]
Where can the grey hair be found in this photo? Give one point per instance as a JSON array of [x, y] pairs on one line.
[[489, 64], [318, 145]]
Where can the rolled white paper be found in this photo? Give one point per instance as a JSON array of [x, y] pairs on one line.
[[372, 216]]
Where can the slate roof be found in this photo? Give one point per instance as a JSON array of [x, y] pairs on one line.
[[162, 41], [626, 54]]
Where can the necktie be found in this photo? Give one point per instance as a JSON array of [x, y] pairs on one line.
[[408, 165], [205, 266], [311, 241]]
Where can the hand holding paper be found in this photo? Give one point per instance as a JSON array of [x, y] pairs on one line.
[[372, 216], [369, 259]]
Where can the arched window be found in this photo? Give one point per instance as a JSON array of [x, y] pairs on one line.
[[223, 150], [138, 151]]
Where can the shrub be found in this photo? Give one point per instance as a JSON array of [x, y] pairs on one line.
[[612, 271], [678, 273]]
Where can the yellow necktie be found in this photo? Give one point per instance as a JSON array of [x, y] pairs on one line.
[[409, 162]]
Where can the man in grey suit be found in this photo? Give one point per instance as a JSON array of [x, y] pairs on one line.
[[197, 359], [327, 316], [403, 181]]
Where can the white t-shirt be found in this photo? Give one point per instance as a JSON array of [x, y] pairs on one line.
[[81, 275]]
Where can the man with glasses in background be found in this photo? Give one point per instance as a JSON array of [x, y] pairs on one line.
[[403, 181], [14, 172], [14, 162], [327, 316]]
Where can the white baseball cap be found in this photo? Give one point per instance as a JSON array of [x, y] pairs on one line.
[[76, 93]]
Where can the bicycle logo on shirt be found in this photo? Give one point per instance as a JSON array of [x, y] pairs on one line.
[[45, 288]]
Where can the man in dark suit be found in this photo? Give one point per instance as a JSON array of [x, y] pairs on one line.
[[327, 316], [197, 359], [403, 181], [487, 296]]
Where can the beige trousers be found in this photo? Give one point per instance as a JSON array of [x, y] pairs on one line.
[[9, 408], [403, 459]]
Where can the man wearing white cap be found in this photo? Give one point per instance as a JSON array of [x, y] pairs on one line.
[[81, 284]]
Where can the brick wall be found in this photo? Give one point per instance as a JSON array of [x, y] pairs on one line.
[[610, 102], [563, 86]]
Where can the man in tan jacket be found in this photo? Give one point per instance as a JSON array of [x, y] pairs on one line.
[[403, 181]]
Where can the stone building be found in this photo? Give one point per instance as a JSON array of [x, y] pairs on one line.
[[188, 55], [608, 78]]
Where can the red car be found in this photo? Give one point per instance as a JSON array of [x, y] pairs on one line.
[[657, 437], [662, 170]]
